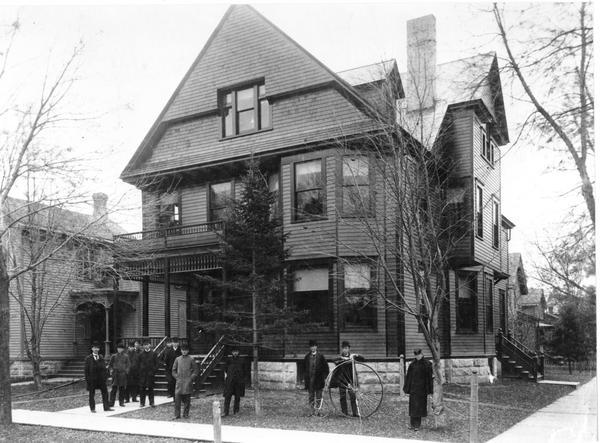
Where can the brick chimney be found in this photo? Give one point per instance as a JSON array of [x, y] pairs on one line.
[[100, 199], [421, 62]]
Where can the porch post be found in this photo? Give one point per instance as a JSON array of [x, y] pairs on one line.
[[107, 332], [167, 299], [145, 308], [115, 309]]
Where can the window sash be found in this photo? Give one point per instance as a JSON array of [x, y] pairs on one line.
[[496, 224], [479, 212], [219, 195], [309, 190], [489, 305], [466, 302], [360, 306], [244, 110]]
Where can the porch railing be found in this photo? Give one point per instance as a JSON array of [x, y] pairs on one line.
[[171, 231], [521, 354]]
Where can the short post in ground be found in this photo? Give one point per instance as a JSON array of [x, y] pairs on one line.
[[401, 375], [474, 410], [217, 421]]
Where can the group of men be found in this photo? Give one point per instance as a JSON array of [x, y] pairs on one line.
[[133, 373]]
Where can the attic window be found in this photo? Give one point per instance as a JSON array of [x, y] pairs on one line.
[[488, 147], [245, 110]]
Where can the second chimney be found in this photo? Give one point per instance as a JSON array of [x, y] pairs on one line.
[[421, 62], [100, 199]]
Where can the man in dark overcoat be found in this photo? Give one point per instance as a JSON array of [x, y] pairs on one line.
[[132, 377], [235, 381], [316, 371], [119, 369], [147, 365], [185, 371], [171, 354], [344, 378], [418, 384], [95, 377]]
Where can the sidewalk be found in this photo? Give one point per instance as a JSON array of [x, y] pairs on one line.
[[190, 431], [572, 418]]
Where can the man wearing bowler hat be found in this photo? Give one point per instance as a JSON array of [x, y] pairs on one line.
[[95, 377], [418, 384], [316, 371]]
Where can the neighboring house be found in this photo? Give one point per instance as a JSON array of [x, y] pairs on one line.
[[254, 91], [531, 319], [73, 291]]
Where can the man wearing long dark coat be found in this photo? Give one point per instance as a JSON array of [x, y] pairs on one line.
[[185, 371], [418, 384], [235, 381], [95, 377], [147, 365], [132, 377], [119, 368], [316, 371], [170, 355]]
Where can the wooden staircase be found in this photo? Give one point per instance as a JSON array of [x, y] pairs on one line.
[[517, 360]]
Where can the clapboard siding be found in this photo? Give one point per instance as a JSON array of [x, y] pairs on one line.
[[194, 205], [156, 311], [489, 177], [300, 119], [244, 48]]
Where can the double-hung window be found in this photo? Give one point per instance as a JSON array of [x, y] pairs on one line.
[[466, 302], [169, 210], [487, 145], [356, 189], [496, 223], [360, 307], [489, 305], [311, 293], [219, 197], [309, 190], [479, 209], [245, 110]]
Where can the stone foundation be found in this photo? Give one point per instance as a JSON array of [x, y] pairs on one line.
[[284, 375], [22, 369]]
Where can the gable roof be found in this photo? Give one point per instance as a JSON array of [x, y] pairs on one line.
[[471, 81], [217, 67], [517, 277], [60, 220], [374, 72]]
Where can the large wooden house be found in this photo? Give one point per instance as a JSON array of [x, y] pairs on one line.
[[253, 91]]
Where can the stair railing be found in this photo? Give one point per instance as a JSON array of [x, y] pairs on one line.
[[160, 347], [211, 360], [520, 353]]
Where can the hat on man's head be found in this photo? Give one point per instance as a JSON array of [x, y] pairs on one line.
[[185, 347], [418, 351], [175, 339], [131, 344], [96, 344], [146, 342], [120, 345], [312, 343], [345, 344]]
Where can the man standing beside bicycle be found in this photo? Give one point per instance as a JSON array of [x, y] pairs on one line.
[[344, 378], [316, 371]]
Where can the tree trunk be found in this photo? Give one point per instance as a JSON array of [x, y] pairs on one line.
[[5, 394], [255, 382], [36, 360], [439, 415]]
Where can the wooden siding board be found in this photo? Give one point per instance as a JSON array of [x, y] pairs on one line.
[[245, 48], [296, 120]]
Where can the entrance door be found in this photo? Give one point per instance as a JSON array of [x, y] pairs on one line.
[[182, 318], [502, 302]]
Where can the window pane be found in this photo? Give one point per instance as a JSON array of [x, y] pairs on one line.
[[357, 276], [309, 203], [311, 280], [228, 99], [261, 90], [315, 302], [274, 182], [246, 121], [465, 287], [220, 194], [265, 114], [356, 199], [217, 214], [308, 175], [356, 171], [245, 99], [228, 122]]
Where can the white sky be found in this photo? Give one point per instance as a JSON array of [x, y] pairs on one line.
[[135, 56]]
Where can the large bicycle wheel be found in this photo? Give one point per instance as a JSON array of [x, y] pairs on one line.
[[355, 389]]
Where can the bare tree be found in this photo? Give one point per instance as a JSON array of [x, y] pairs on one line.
[[550, 54], [25, 151]]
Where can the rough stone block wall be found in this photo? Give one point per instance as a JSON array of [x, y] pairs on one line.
[[459, 370], [277, 375], [22, 368]]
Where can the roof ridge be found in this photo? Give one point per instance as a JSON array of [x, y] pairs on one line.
[[368, 64]]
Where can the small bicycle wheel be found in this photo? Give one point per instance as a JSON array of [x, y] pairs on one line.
[[358, 388]]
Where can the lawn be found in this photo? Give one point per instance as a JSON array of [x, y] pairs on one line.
[[501, 406]]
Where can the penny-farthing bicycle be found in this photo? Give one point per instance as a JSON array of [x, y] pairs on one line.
[[361, 389]]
